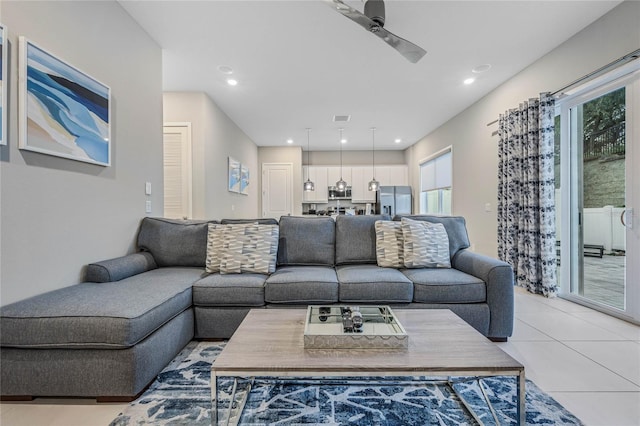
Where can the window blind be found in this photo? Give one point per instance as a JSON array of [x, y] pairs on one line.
[[436, 173]]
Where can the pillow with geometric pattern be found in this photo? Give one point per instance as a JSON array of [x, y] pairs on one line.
[[249, 248], [389, 244], [426, 244], [214, 248]]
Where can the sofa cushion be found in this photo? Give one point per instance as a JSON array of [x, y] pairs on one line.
[[174, 242], [99, 315], [389, 244], [426, 244], [306, 241], [260, 221], [373, 284], [356, 239], [302, 285], [119, 268], [230, 290], [455, 225], [445, 286]]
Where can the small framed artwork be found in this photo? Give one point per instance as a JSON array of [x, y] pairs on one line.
[[234, 175], [63, 111], [244, 179], [4, 48]]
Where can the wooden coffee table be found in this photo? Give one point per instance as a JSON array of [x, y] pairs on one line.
[[269, 343]]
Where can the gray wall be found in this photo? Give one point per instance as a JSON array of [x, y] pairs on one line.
[[215, 137], [354, 158], [475, 156], [58, 214]]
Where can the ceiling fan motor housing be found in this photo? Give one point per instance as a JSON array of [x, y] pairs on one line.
[[374, 10]]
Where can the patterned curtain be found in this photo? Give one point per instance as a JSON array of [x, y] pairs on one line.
[[526, 201]]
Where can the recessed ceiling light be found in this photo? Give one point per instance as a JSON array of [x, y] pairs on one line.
[[343, 141], [225, 69], [289, 141], [232, 82], [398, 140], [469, 81], [481, 68]]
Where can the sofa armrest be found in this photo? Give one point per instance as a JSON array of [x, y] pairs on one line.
[[498, 277], [120, 268]]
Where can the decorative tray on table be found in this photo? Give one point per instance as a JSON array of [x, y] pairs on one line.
[[353, 327]]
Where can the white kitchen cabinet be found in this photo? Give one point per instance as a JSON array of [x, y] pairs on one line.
[[392, 175], [333, 174], [383, 175], [360, 176], [398, 175], [317, 175]]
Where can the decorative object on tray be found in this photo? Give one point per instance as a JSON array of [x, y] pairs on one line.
[[353, 327], [63, 111]]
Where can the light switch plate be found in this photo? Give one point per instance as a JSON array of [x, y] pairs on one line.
[[147, 188], [147, 206]]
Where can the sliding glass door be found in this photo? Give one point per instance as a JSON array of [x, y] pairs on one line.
[[597, 196]]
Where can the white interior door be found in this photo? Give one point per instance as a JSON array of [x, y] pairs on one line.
[[177, 170], [277, 189]]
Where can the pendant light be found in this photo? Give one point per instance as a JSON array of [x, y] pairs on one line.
[[341, 185], [308, 185], [373, 183]]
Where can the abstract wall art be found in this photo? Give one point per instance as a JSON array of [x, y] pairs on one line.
[[3, 84], [63, 111], [244, 179], [234, 175]]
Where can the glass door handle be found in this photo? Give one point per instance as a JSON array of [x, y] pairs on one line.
[[626, 218]]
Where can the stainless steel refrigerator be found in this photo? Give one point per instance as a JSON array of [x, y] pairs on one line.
[[394, 200]]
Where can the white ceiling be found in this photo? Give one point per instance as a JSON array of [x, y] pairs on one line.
[[299, 63]]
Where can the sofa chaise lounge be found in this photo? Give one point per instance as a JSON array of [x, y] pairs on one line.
[[109, 336]]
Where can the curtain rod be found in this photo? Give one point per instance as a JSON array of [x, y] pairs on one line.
[[621, 60]]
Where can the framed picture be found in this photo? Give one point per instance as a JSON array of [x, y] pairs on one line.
[[244, 179], [63, 111], [4, 48], [234, 175]]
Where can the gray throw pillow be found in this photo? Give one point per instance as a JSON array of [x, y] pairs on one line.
[[389, 244], [214, 248], [249, 248], [426, 244]]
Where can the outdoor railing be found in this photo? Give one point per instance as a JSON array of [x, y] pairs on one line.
[[610, 141]]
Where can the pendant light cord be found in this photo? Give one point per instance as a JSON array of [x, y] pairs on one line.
[[340, 154], [373, 151], [308, 131]]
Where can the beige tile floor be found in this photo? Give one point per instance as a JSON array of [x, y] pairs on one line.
[[588, 361]]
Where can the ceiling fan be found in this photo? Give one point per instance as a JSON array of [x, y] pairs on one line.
[[373, 20]]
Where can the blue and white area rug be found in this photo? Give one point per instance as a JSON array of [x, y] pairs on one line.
[[181, 395]]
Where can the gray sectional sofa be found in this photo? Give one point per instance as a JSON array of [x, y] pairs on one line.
[[109, 337]]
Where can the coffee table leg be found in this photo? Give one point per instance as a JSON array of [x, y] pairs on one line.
[[464, 403], [214, 399], [522, 396]]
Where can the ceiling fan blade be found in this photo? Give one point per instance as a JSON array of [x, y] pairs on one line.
[[354, 15], [407, 49], [410, 51]]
